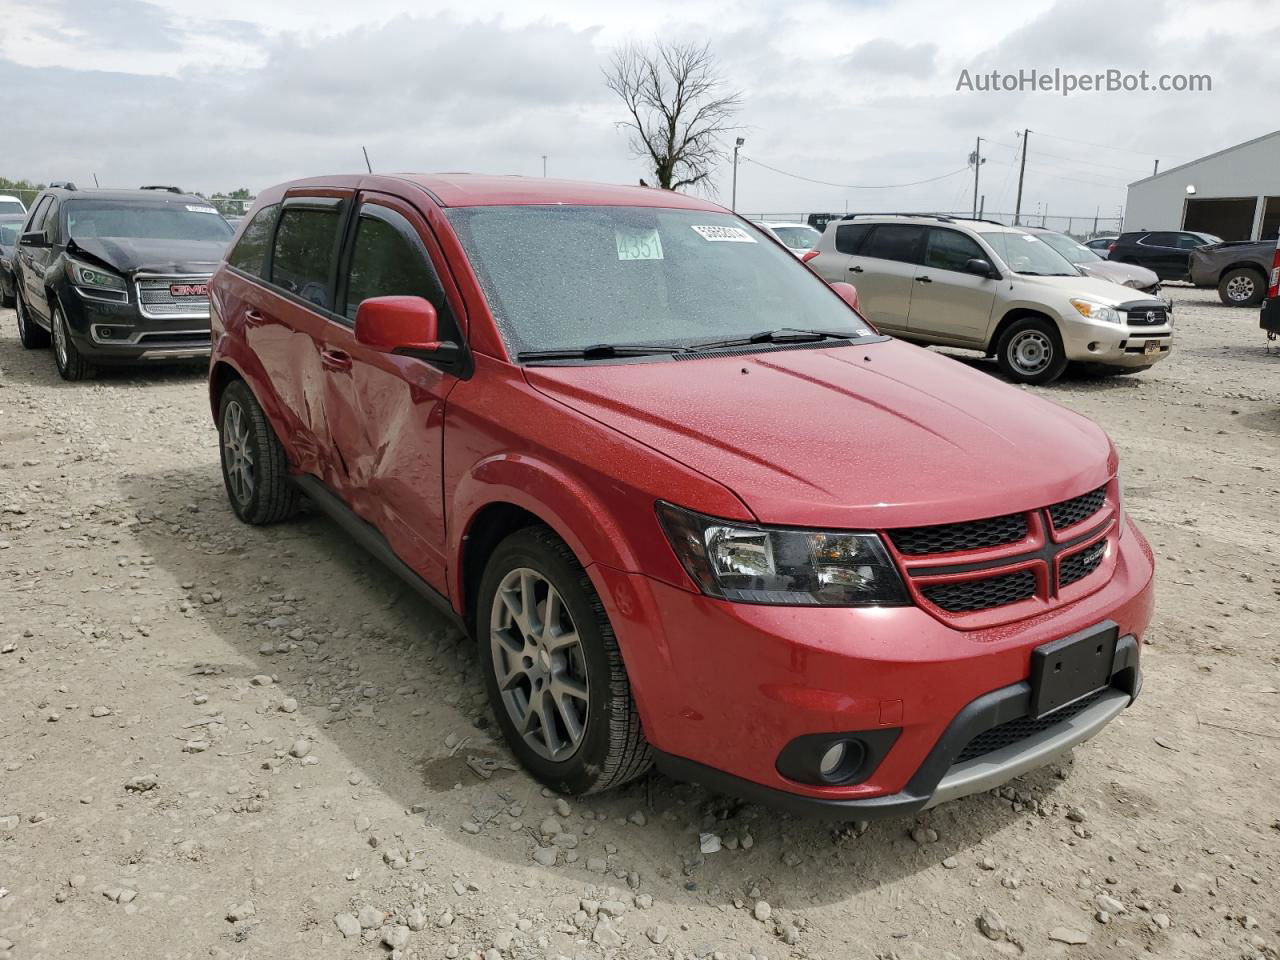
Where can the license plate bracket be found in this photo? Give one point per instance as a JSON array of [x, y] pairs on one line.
[[1065, 670], [1151, 348]]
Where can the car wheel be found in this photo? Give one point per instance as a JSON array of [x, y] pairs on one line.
[[1030, 351], [31, 335], [553, 670], [6, 297], [1242, 287], [71, 365], [255, 469]]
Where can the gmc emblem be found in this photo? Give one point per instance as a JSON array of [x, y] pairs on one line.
[[188, 289]]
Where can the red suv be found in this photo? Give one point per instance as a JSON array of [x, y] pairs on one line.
[[693, 508]]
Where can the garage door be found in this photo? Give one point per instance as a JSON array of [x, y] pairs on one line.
[[1230, 218]]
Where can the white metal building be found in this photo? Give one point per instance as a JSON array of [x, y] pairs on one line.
[[1234, 193]]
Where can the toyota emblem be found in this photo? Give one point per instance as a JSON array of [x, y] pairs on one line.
[[1151, 316]]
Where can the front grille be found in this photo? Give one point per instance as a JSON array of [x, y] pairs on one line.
[[969, 595], [1147, 317], [157, 299], [1013, 731], [950, 537], [1080, 564], [1070, 512]]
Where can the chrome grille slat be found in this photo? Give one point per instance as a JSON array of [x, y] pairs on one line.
[[156, 300]]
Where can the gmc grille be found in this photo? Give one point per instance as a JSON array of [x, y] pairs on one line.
[[157, 301]]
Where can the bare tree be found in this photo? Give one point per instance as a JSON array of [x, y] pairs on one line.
[[678, 109]]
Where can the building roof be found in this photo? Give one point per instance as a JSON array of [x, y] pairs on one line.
[[1209, 156]]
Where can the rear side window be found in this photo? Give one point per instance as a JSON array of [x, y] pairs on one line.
[[388, 260], [951, 250], [1159, 240], [302, 259], [849, 236], [892, 241], [250, 253]]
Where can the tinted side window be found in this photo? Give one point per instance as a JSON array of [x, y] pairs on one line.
[[892, 241], [389, 259], [50, 222], [37, 215], [951, 250], [849, 236], [302, 260], [1159, 240], [250, 253], [1189, 241]]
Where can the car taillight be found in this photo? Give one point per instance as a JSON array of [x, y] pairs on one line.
[[808, 255], [1110, 247], [1274, 289]]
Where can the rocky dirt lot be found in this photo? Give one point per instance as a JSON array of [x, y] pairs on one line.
[[220, 741]]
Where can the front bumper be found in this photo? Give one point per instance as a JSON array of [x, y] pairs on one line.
[[1117, 346], [723, 688], [107, 331]]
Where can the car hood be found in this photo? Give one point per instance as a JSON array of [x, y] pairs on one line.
[[1108, 291], [1128, 274], [129, 255], [865, 436]]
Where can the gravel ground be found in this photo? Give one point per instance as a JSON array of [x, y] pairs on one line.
[[218, 741]]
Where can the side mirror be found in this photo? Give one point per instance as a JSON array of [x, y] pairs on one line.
[[848, 293], [35, 238], [981, 268], [402, 325]]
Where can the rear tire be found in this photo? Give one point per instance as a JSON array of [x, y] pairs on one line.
[[1242, 287], [71, 365], [32, 336], [1030, 351], [255, 468], [564, 700]]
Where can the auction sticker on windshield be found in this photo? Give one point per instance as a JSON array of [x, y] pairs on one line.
[[194, 209], [724, 234], [638, 244]]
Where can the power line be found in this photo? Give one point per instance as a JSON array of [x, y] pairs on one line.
[[1101, 146], [855, 186]]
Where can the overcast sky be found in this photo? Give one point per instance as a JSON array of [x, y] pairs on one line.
[[859, 92]]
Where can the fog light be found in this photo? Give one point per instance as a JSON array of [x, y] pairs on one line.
[[1093, 347], [832, 759]]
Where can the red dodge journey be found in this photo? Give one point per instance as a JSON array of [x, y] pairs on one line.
[[694, 509]]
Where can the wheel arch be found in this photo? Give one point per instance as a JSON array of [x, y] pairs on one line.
[[221, 375], [1013, 316], [1243, 265]]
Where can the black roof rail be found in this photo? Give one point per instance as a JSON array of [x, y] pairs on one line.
[[160, 186], [942, 217], [61, 185]]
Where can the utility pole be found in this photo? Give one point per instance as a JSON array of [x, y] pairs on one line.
[[367, 164], [733, 201], [976, 159], [1022, 172], [982, 206], [544, 164], [1096, 212], [1156, 168]]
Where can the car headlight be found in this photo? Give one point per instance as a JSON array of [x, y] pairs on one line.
[[771, 565], [1096, 310], [84, 275]]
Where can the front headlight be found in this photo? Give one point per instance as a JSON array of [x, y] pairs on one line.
[[84, 275], [771, 565], [1096, 310]]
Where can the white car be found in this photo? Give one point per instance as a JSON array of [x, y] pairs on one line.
[[10, 204], [799, 238]]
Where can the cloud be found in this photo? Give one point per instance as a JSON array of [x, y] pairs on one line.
[[887, 58]]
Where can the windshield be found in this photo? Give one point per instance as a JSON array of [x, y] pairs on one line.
[[1075, 252], [562, 277], [1029, 255], [87, 219], [798, 237], [11, 206]]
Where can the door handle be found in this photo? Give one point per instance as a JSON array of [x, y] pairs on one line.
[[335, 360], [923, 280], [855, 269]]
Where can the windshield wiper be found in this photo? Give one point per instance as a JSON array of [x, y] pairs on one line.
[[600, 351], [783, 335]]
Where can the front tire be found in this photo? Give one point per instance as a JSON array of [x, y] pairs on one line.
[[255, 469], [1242, 287], [66, 357], [553, 670], [1030, 351], [32, 336]]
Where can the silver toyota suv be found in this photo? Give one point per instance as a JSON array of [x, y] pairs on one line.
[[985, 286]]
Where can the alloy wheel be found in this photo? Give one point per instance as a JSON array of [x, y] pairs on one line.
[[1240, 288], [539, 664], [1030, 352], [237, 456]]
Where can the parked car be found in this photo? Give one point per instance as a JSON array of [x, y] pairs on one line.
[[692, 507], [10, 204], [1270, 317], [117, 276], [1091, 264], [1167, 252], [1101, 245], [984, 286], [799, 238], [1238, 269], [10, 227]]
